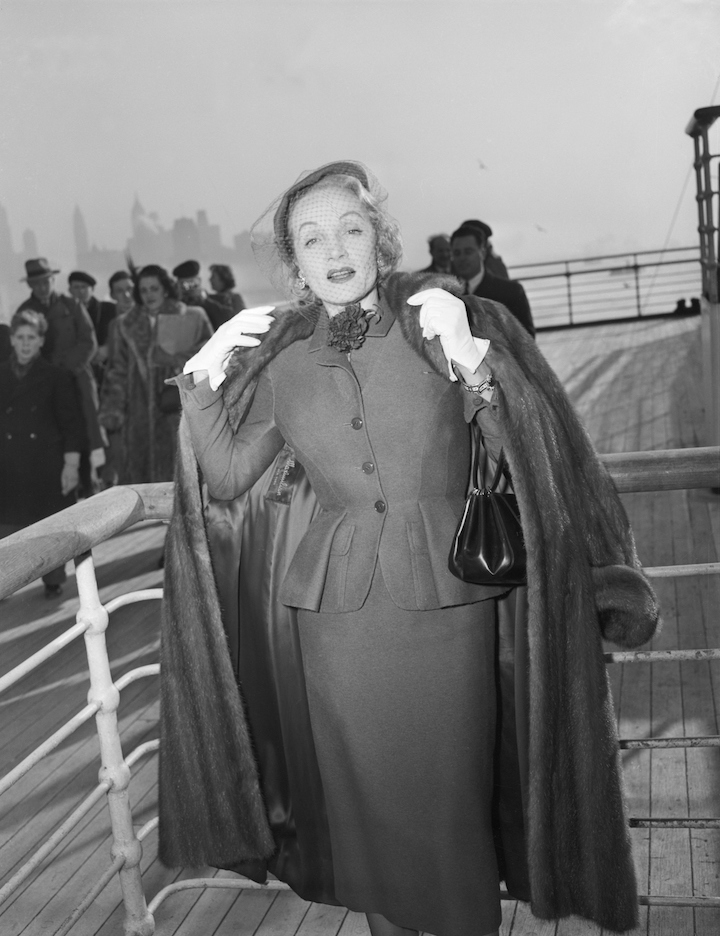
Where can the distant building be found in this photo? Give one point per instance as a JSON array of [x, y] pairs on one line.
[[12, 290], [80, 231]]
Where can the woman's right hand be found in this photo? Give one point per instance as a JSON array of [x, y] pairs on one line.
[[235, 333]]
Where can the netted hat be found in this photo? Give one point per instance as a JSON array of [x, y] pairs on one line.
[[272, 241]]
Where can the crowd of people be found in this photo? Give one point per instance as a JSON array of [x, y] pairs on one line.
[[83, 402]]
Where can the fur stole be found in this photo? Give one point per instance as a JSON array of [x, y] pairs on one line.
[[584, 582]]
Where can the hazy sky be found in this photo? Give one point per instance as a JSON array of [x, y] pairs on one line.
[[559, 122]]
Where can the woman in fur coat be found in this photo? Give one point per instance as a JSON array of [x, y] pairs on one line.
[[386, 763], [149, 343]]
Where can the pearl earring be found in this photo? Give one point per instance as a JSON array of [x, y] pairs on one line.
[[301, 280]]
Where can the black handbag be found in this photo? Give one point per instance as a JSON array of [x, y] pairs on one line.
[[488, 547]]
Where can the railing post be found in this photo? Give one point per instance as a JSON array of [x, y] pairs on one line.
[[698, 128], [568, 275], [114, 770], [636, 270]]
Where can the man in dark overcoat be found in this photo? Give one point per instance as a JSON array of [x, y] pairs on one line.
[[469, 260]]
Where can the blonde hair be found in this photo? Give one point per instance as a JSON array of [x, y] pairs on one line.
[[29, 317]]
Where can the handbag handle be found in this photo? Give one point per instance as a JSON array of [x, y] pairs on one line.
[[500, 469]]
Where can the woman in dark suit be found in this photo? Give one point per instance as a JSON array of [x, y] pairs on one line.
[[41, 434], [368, 381]]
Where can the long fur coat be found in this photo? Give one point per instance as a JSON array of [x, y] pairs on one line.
[[584, 583], [142, 435]]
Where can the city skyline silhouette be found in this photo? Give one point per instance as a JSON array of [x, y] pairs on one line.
[[150, 241]]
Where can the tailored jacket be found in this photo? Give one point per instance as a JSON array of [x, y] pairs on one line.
[[389, 467], [584, 583], [40, 420], [511, 294]]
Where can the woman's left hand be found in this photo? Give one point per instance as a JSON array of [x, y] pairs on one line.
[[444, 315]]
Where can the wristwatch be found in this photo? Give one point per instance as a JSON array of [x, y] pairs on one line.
[[487, 384]]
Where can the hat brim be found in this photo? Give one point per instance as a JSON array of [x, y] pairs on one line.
[[39, 276]]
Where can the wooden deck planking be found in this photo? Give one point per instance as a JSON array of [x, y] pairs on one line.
[[633, 433], [81, 856], [633, 386]]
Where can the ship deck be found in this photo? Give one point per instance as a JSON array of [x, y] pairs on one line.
[[637, 387]]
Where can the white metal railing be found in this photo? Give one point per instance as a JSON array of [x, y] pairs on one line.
[[612, 287], [74, 532]]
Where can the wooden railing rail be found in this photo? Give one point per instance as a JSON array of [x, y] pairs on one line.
[[30, 553]]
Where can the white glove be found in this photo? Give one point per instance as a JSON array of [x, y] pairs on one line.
[[97, 458], [70, 475], [214, 355], [444, 315]]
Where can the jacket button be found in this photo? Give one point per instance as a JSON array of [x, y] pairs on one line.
[[380, 506], [356, 423], [368, 467]]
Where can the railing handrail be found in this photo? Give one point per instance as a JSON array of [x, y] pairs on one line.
[[605, 269], [626, 253], [35, 550], [30, 553]]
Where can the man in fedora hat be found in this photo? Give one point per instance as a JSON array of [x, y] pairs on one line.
[[469, 253], [70, 339], [70, 343], [192, 293]]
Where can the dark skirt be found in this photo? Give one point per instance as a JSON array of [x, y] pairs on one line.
[[406, 709], [403, 713]]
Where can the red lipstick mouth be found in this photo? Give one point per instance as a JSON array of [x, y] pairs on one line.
[[342, 275]]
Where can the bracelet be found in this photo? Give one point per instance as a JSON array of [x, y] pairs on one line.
[[487, 384]]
